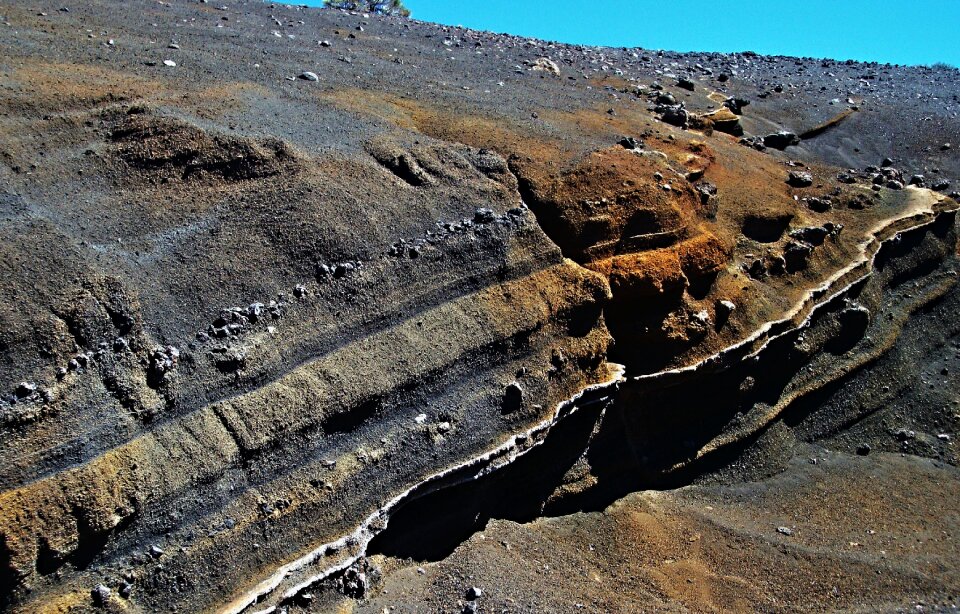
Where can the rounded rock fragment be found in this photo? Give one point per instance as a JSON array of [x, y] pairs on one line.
[[100, 595], [800, 179], [512, 398]]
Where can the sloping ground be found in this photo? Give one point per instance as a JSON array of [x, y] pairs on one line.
[[262, 323], [833, 532]]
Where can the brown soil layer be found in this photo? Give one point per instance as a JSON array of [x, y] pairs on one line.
[[295, 295]]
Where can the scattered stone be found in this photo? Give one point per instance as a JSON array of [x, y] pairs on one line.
[[512, 398], [276, 309], [629, 142], [474, 593], [834, 229], [785, 531], [819, 204], [100, 595], [812, 235], [686, 84], [700, 319], [170, 63], [796, 255], [706, 190], [800, 179], [846, 178], [230, 360], [781, 140], [666, 98], [163, 360], [917, 180], [254, 311], [724, 309], [25, 389], [756, 269], [545, 65], [941, 186], [944, 437], [723, 120], [674, 115], [156, 551], [300, 291], [324, 43], [863, 449], [736, 104], [353, 582], [905, 434], [756, 142], [484, 216], [309, 76], [120, 345]]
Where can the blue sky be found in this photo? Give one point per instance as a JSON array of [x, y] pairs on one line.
[[899, 32]]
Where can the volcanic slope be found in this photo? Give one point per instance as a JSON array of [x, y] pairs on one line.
[[298, 300]]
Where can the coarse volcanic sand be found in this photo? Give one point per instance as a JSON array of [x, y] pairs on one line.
[[832, 532], [264, 333]]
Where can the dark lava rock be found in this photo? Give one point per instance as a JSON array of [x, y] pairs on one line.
[[706, 190], [781, 140], [736, 104], [100, 595], [666, 98], [25, 389], [674, 115], [799, 179], [814, 235], [756, 142], [686, 84], [819, 204], [484, 216], [795, 256], [512, 398]]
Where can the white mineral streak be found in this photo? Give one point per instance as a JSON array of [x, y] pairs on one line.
[[921, 207]]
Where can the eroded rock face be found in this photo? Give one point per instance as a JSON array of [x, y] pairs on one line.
[[263, 328]]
